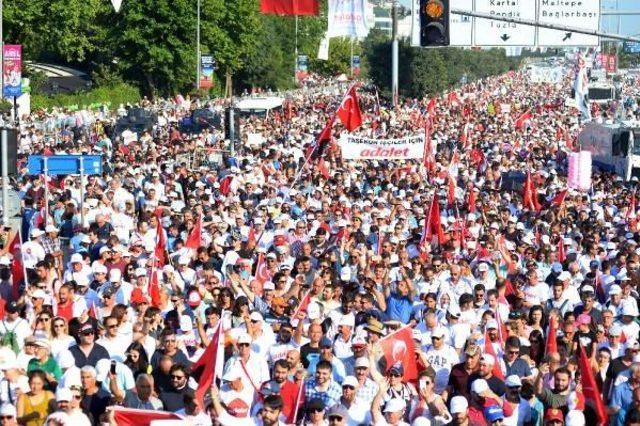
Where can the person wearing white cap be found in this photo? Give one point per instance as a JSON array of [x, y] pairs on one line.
[[14, 381], [254, 367], [77, 268], [392, 413], [359, 412], [442, 357], [68, 402], [234, 395], [459, 409], [627, 322], [32, 250], [8, 415], [521, 408], [262, 334]]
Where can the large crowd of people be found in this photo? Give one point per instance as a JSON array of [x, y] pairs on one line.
[[303, 268]]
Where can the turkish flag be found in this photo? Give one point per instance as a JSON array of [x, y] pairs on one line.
[[349, 110], [161, 243], [524, 118], [632, 207], [134, 417], [471, 203], [590, 388], [316, 148], [398, 347], [431, 106], [289, 7], [225, 185], [304, 304], [251, 237], [209, 366], [561, 253], [488, 349], [552, 343], [194, 240], [323, 169], [530, 195], [451, 190], [558, 199], [427, 157], [432, 225], [17, 270], [262, 273], [154, 288]]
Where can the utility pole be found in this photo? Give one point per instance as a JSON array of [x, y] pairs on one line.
[[394, 52], [198, 49]]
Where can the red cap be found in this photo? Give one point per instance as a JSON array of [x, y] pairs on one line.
[[553, 414]]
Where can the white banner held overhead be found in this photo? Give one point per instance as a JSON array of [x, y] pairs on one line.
[[360, 148], [496, 33], [346, 18], [584, 14], [323, 49]]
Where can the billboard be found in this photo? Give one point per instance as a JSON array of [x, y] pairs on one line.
[[12, 70], [207, 67]]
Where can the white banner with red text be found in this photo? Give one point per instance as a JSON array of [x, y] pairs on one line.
[[361, 148]]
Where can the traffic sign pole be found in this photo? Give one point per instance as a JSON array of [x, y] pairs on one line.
[[45, 170], [82, 192], [5, 176]]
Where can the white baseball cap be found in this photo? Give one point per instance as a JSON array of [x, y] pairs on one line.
[[458, 404], [479, 386], [394, 405], [350, 381], [513, 381]]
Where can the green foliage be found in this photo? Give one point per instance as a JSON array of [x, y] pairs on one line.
[[37, 79], [339, 61], [426, 71], [111, 95]]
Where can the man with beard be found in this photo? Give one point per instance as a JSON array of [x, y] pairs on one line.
[[282, 386], [269, 415], [460, 373], [284, 343], [556, 397]]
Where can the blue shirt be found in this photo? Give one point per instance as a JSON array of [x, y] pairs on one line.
[[622, 398], [330, 397], [520, 368], [399, 308]]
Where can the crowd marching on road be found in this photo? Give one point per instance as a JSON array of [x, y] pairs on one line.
[[284, 284]]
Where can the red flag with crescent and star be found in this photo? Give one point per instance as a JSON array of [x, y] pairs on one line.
[[398, 347], [349, 110]]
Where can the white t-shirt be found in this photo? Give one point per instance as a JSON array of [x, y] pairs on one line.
[[442, 360]]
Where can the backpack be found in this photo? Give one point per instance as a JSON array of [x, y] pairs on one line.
[[10, 339]]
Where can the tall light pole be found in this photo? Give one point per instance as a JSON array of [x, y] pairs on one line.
[[197, 49], [4, 160], [394, 51]]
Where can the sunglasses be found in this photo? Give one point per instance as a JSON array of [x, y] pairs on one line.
[[395, 375], [335, 418], [177, 377], [87, 333], [315, 410], [348, 387]]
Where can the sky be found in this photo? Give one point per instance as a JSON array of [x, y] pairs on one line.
[[629, 25]]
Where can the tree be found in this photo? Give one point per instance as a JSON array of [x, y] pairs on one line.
[[339, 61], [155, 44]]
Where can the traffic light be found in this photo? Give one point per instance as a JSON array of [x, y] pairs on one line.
[[434, 23]]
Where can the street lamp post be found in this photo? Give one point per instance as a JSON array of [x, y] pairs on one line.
[[197, 49]]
